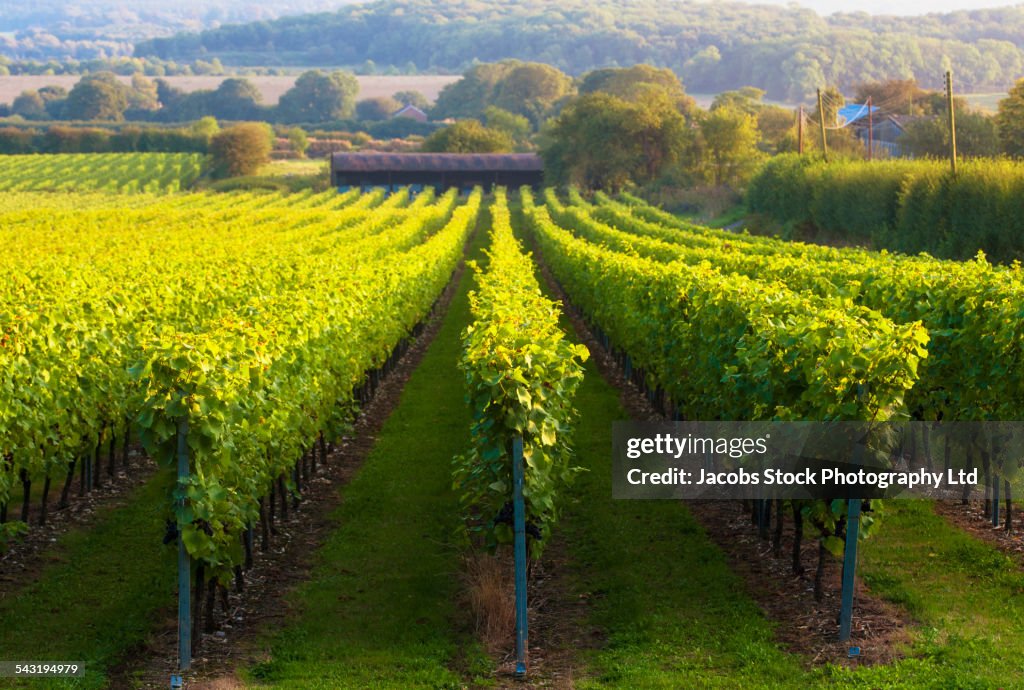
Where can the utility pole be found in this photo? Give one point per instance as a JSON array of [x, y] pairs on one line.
[[821, 123], [952, 121], [800, 131], [871, 133]]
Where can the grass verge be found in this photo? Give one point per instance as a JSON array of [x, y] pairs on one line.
[[98, 592], [662, 598]]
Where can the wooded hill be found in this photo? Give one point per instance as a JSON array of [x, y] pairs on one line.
[[787, 51], [45, 30]]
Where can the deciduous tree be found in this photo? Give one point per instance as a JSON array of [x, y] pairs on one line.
[[319, 97], [414, 98], [234, 99], [603, 141], [730, 139], [629, 82], [468, 136], [532, 90], [377, 108], [1011, 121], [29, 105], [516, 126], [97, 97], [242, 149]]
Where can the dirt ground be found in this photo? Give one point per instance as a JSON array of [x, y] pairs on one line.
[[272, 87], [969, 517]]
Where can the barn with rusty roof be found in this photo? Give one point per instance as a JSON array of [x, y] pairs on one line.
[[440, 170]]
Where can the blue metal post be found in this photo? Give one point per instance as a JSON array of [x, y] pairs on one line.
[[184, 564], [519, 517], [849, 568], [995, 500]]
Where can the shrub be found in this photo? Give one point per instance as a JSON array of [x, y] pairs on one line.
[[298, 142], [862, 199], [780, 189], [16, 140], [468, 136], [378, 108], [76, 140], [242, 149]]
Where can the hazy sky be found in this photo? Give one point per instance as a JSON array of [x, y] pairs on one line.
[[890, 6]]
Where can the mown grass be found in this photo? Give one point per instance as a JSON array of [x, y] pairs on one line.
[[98, 593], [670, 610], [674, 615], [967, 596], [292, 175], [381, 610]]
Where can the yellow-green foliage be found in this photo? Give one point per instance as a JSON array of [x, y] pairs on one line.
[[109, 172], [521, 375], [724, 345], [251, 319], [972, 351]]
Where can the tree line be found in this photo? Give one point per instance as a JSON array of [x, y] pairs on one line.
[[98, 29], [785, 51], [316, 97], [614, 127], [609, 128]]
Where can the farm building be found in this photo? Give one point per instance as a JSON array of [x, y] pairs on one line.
[[440, 170], [411, 112], [885, 129]]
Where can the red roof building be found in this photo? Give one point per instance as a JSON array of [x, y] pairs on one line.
[[411, 112], [440, 170]]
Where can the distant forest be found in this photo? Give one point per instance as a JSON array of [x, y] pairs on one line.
[[787, 51], [98, 29]]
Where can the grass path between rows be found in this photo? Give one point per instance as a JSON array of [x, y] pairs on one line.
[[98, 592], [670, 611], [380, 609], [967, 596], [674, 615]]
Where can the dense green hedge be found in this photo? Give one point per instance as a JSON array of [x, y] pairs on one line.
[[128, 139], [905, 205]]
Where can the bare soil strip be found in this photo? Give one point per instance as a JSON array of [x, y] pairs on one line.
[[558, 629], [969, 518]]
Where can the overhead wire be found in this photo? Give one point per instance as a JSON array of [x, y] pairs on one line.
[[892, 104]]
